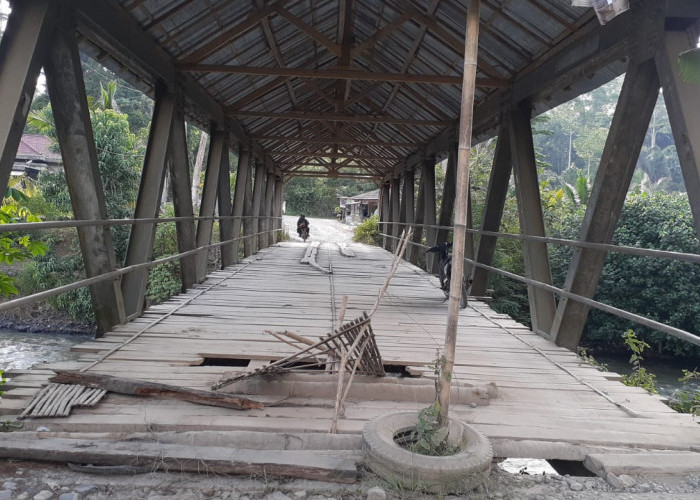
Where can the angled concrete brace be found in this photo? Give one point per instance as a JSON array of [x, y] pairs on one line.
[[142, 236], [409, 207], [217, 145], [385, 214], [248, 223], [258, 200], [419, 218], [267, 221], [430, 209], [242, 175], [395, 212], [683, 104], [496, 194], [64, 79], [182, 199], [22, 53], [447, 205], [527, 190], [225, 209], [630, 122]]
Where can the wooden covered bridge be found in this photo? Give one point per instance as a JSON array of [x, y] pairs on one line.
[[377, 90]]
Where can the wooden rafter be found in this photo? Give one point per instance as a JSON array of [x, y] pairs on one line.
[[310, 31], [339, 74], [335, 140], [324, 154], [293, 115]]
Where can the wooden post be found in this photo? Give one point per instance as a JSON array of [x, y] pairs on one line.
[[258, 197], [269, 209], [225, 210], [496, 194], [527, 190], [64, 79], [22, 51], [248, 224], [471, 47], [630, 122], [242, 175], [182, 201], [385, 214], [279, 205], [430, 207], [142, 236], [217, 145]]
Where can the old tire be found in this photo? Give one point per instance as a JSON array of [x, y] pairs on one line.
[[454, 474]]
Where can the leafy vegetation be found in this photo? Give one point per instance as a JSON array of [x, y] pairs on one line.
[[639, 377], [318, 197], [686, 399], [368, 231]]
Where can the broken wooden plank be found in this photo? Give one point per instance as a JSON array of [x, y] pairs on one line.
[[152, 389]]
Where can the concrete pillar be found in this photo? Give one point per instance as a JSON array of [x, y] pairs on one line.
[[225, 210], [142, 236], [496, 194], [182, 200], [22, 52], [64, 79], [217, 145], [630, 122], [527, 189]]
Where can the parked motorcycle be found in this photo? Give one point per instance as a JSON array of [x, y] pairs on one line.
[[445, 272], [304, 231]]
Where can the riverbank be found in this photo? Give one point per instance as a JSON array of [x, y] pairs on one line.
[[43, 319]]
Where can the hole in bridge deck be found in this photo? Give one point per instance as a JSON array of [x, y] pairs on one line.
[[538, 466], [399, 371], [225, 362]]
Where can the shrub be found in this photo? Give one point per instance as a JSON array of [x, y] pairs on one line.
[[368, 232]]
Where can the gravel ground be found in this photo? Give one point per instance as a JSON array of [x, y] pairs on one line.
[[43, 481]]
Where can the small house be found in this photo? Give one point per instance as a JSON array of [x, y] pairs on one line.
[[354, 209]]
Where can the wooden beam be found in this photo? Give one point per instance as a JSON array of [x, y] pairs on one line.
[[323, 154], [64, 80], [429, 207], [22, 50], [248, 227], [339, 74], [223, 198], [389, 28], [527, 190], [449, 192], [635, 106], [408, 203], [242, 177], [337, 117], [335, 140], [385, 214], [395, 212], [258, 200], [310, 31]]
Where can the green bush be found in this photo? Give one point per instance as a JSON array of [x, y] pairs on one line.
[[163, 283], [368, 232]]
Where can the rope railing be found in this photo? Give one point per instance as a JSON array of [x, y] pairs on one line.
[[43, 295], [669, 330]]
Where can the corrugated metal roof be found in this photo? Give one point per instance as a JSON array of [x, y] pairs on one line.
[[383, 37]]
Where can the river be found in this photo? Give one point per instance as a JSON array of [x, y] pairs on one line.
[[19, 351]]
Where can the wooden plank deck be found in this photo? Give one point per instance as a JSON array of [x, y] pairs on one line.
[[549, 403]]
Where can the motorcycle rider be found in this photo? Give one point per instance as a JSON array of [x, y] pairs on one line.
[[301, 223]]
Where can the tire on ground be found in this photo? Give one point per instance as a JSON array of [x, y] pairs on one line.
[[454, 474]]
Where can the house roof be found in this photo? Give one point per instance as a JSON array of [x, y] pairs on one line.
[[36, 147]]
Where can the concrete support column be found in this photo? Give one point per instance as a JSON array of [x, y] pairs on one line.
[[385, 214], [448, 196], [683, 104], [408, 202], [142, 236], [267, 221], [430, 207], [217, 145], [22, 53], [630, 122], [64, 79], [258, 200], [395, 212], [496, 194], [225, 210], [527, 189], [248, 221], [182, 199], [242, 176]]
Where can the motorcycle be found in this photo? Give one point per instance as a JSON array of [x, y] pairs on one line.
[[445, 272], [303, 230]]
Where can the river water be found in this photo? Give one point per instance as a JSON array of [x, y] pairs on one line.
[[19, 351]]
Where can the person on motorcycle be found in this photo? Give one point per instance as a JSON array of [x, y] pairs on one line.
[[301, 223]]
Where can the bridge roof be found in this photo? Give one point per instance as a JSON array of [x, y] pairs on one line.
[[355, 87]]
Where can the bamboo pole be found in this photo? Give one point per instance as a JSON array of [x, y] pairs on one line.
[[471, 47]]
